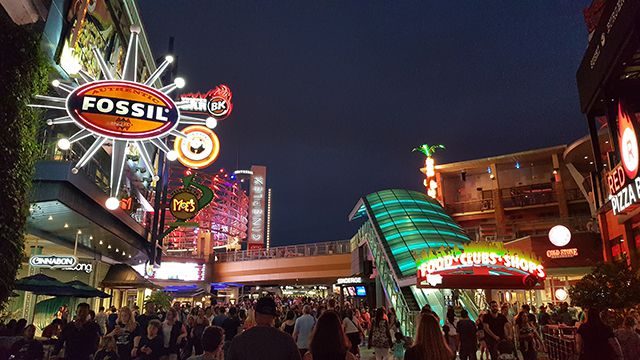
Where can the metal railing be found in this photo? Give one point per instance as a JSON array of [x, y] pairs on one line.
[[314, 249], [406, 317], [520, 196]]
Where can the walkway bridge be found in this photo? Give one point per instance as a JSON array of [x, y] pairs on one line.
[[301, 264], [398, 224]]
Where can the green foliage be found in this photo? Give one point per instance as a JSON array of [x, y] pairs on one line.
[[23, 73], [611, 285], [428, 150], [161, 299]]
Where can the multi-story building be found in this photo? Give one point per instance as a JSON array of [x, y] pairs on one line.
[[608, 87], [516, 199], [67, 212]]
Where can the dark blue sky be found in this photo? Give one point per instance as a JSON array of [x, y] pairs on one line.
[[332, 95]]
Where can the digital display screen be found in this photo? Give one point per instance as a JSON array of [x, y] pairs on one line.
[[361, 291]]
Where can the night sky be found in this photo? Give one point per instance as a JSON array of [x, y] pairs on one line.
[[332, 95]]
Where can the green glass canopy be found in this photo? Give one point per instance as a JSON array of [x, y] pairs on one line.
[[408, 222]]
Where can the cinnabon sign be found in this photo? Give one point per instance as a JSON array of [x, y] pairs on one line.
[[123, 110]]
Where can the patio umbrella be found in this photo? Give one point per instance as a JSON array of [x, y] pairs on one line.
[[41, 284], [86, 291]]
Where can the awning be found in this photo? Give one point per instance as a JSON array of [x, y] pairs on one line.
[[84, 290], [186, 291], [123, 276]]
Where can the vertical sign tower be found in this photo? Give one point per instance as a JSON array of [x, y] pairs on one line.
[[257, 200]]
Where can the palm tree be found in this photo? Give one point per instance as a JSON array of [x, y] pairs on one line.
[[428, 150]]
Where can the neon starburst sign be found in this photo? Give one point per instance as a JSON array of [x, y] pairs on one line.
[[123, 112]]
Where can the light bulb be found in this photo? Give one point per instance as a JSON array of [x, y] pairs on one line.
[[169, 59], [211, 123], [179, 82], [172, 155], [55, 83], [112, 203], [64, 144]]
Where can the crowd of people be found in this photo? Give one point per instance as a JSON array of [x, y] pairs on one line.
[[316, 329]]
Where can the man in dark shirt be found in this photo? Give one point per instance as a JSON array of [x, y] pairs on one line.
[[149, 314], [230, 326], [467, 330], [80, 337], [494, 329], [263, 341], [111, 319], [543, 317]]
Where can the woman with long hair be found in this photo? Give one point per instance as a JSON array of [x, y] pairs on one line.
[[289, 322], [201, 323], [430, 343], [328, 341], [353, 331], [596, 340], [173, 332], [380, 336], [125, 330]]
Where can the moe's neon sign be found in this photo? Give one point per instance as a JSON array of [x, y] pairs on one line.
[[622, 181]]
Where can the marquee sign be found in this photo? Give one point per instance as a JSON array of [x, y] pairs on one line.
[[486, 263], [216, 102], [200, 149], [562, 253], [53, 261], [184, 204], [121, 112], [623, 182]]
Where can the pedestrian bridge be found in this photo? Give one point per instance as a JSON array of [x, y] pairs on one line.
[[320, 263]]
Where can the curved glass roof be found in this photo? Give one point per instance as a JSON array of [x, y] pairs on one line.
[[408, 222]]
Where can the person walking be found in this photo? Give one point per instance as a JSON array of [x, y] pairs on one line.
[[27, 348], [212, 340], [629, 339], [494, 326], [353, 331], [263, 341], [302, 329], [430, 343], [467, 331], [528, 339], [380, 336], [173, 333], [80, 337], [328, 341], [101, 320], [125, 332], [289, 323], [201, 322], [595, 340], [231, 326]]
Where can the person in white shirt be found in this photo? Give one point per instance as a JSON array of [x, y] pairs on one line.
[[302, 330]]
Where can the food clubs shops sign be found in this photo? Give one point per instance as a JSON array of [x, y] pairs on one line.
[[623, 181]]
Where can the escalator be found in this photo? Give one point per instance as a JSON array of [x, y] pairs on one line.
[[399, 225]]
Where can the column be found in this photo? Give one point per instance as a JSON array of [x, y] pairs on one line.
[[561, 195], [115, 298], [604, 235], [629, 245], [140, 298], [497, 202], [380, 301], [29, 305]]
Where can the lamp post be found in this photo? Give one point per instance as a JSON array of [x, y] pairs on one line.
[[430, 182]]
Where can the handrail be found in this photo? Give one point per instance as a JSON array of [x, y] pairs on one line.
[[313, 249]]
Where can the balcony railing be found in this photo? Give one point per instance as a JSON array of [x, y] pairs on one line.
[[521, 196], [317, 249]]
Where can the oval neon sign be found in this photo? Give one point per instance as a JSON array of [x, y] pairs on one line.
[[123, 110]]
